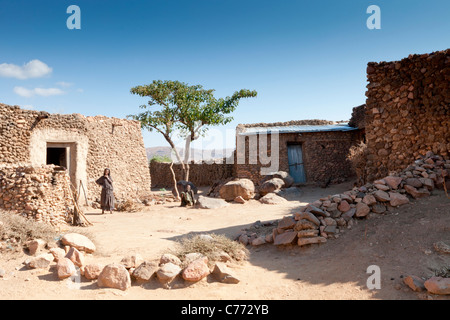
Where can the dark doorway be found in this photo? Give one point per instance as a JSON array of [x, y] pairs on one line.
[[295, 160], [57, 156]]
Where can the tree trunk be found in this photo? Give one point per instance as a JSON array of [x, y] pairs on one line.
[[177, 195]]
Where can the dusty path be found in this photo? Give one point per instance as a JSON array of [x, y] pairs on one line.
[[400, 243]]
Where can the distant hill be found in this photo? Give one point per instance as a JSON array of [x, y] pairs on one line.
[[197, 154]]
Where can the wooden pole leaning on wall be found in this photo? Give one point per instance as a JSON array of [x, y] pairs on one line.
[[84, 191], [78, 213]]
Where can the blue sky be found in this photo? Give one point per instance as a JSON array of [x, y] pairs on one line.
[[306, 59]]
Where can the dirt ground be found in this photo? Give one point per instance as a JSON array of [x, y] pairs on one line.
[[400, 243]]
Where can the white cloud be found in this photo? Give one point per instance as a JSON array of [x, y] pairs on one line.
[[64, 84], [33, 69], [44, 92]]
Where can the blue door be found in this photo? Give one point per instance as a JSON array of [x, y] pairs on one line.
[[295, 160]]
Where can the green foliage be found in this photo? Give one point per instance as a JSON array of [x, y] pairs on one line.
[[159, 158]]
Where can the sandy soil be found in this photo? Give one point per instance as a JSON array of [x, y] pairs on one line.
[[400, 243]]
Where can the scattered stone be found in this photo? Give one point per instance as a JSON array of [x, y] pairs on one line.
[[168, 257], [270, 186], [196, 270], [132, 261], [167, 272], [369, 200], [349, 214], [393, 181], [317, 211], [286, 223], [315, 240], [308, 216], [76, 257], [211, 203], [224, 274], [362, 209], [415, 283], [40, 262], [285, 238], [397, 199], [79, 242], [93, 270], [259, 241], [413, 182], [272, 198], [145, 271], [114, 276], [379, 208], [442, 247], [416, 193], [343, 206], [65, 268], [58, 253], [382, 196], [242, 187], [35, 246], [438, 285]]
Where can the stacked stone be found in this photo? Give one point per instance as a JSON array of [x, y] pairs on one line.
[[331, 215], [408, 111], [39, 193]]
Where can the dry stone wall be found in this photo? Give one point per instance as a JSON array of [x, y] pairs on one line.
[[94, 143], [40, 193], [408, 111]]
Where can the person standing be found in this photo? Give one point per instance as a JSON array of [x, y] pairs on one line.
[[107, 197]]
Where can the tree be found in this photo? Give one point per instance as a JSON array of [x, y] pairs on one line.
[[189, 109]]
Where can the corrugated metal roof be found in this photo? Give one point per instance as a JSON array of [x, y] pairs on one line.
[[297, 128]]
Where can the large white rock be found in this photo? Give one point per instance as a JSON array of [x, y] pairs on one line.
[[79, 242], [242, 187], [114, 276]]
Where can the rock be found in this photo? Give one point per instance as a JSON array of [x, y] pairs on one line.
[[393, 182], [114, 276], [65, 268], [168, 272], [397, 199], [381, 187], [35, 246], [415, 283], [285, 238], [191, 257], [145, 271], [259, 241], [305, 241], [93, 270], [362, 210], [427, 183], [286, 223], [288, 181], [76, 257], [58, 253], [438, 285], [330, 221], [243, 239], [239, 200], [330, 230], [308, 233], [79, 242], [196, 270], [211, 203], [41, 262], [349, 214], [379, 208], [291, 194], [308, 216], [132, 261], [242, 187], [369, 200], [168, 257], [413, 182], [224, 274], [272, 198], [382, 196], [270, 186], [304, 224], [343, 206], [441, 247], [269, 238], [317, 211], [416, 193]]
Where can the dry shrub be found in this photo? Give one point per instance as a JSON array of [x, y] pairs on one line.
[[129, 205], [22, 229], [358, 158], [211, 248]]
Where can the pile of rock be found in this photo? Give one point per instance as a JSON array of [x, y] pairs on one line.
[[71, 262], [41, 193], [331, 215]]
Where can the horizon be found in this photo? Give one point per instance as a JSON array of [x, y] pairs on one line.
[[305, 60]]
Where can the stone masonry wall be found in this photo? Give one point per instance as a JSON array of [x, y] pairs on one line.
[[94, 143], [40, 193], [200, 174], [324, 156], [408, 111]]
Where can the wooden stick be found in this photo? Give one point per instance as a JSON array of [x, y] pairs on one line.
[[84, 191]]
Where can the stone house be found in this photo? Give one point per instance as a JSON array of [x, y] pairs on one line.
[[312, 151], [83, 145]]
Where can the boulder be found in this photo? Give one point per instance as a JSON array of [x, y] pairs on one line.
[[343, 206], [393, 182], [93, 270], [211, 203], [75, 256], [145, 271], [285, 238], [415, 283], [286, 223], [242, 187], [132, 261], [196, 270], [438, 285], [362, 210], [167, 272], [168, 257], [114, 276], [79, 242], [272, 198], [369, 200], [397, 199], [40, 262], [35, 246], [382, 196], [224, 274], [65, 268], [288, 181], [270, 186], [58, 253]]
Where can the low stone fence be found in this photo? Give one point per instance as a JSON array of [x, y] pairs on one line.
[[41, 193], [200, 174]]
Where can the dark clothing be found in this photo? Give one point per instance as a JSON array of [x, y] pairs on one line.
[[107, 197], [187, 198]]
